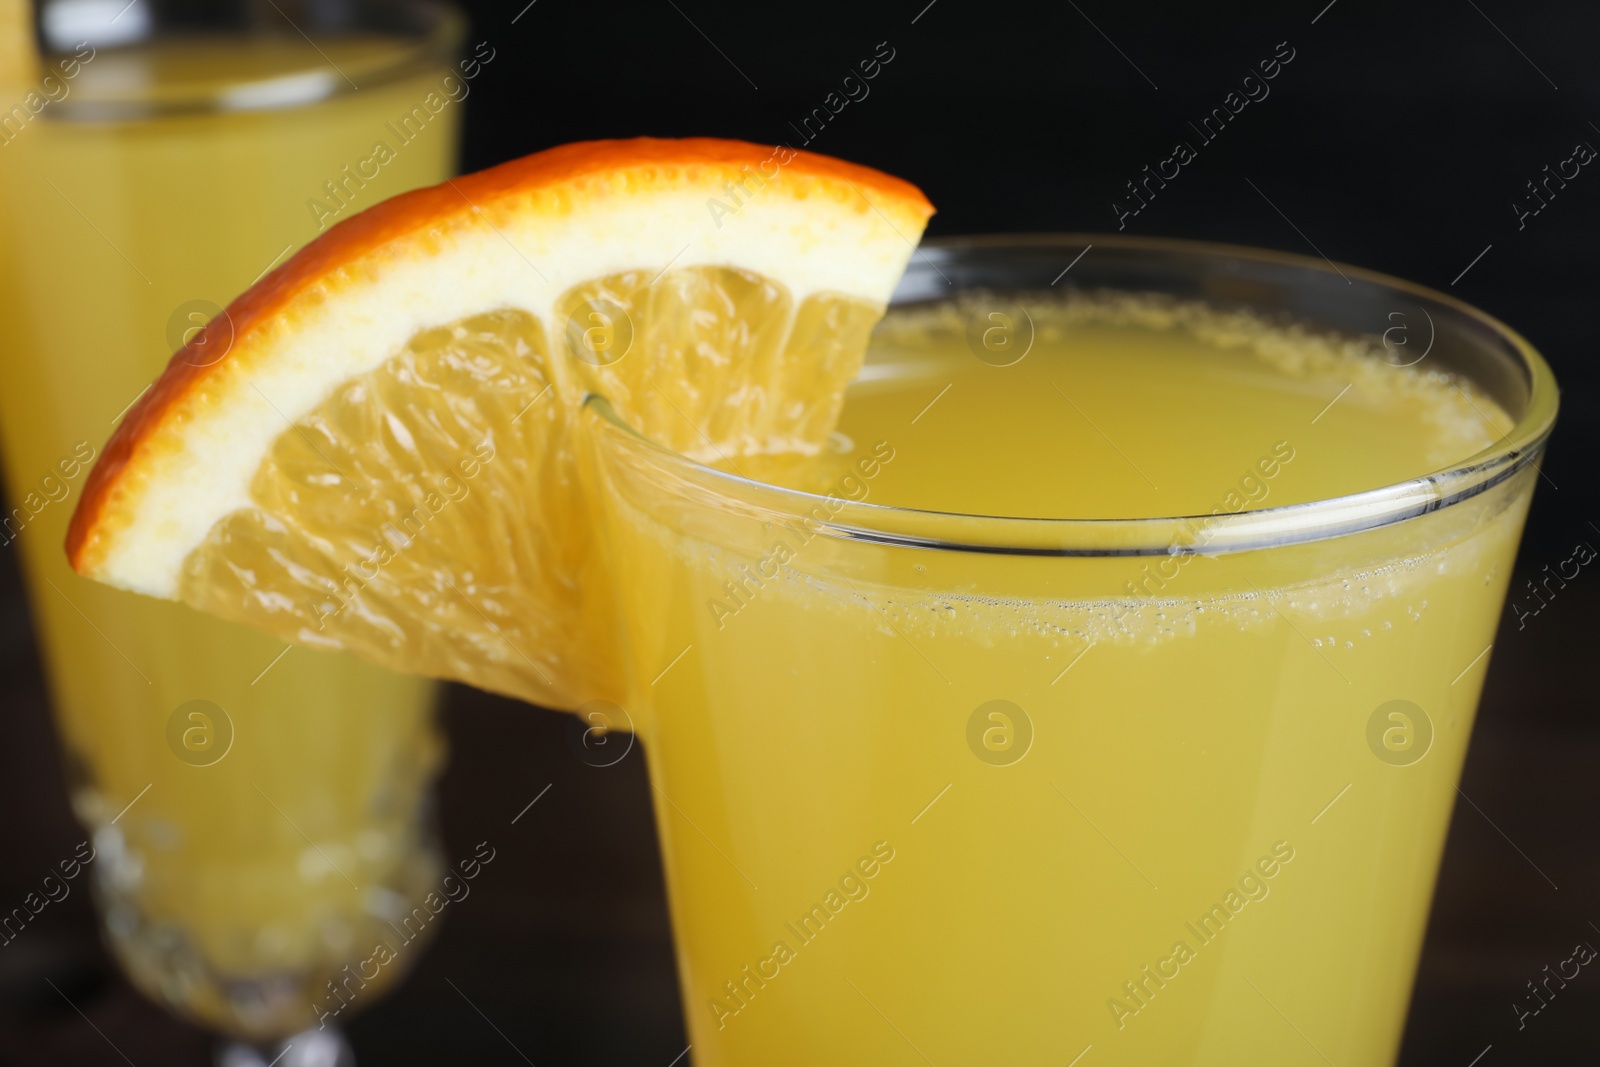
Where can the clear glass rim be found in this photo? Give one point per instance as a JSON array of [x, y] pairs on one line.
[[430, 32], [1209, 534]]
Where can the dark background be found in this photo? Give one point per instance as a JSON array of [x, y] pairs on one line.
[[1396, 139]]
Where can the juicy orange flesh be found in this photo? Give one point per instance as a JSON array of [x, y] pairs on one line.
[[719, 362], [430, 514]]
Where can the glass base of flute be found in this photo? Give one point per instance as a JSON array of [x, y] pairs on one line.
[[260, 923], [259, 817], [313, 1048]]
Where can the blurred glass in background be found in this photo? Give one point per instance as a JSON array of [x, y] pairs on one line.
[[260, 818]]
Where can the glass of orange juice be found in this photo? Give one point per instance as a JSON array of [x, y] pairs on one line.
[[258, 817], [1101, 697]]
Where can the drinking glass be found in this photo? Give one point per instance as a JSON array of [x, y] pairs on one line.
[[259, 816], [956, 788]]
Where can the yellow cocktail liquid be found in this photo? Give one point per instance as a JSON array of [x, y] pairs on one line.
[[962, 807], [245, 856]]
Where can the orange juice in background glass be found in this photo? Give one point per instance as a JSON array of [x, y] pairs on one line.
[[260, 816]]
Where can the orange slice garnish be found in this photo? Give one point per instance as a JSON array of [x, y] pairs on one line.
[[374, 449]]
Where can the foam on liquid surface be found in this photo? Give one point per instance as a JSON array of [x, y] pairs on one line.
[[1129, 406], [1134, 407]]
